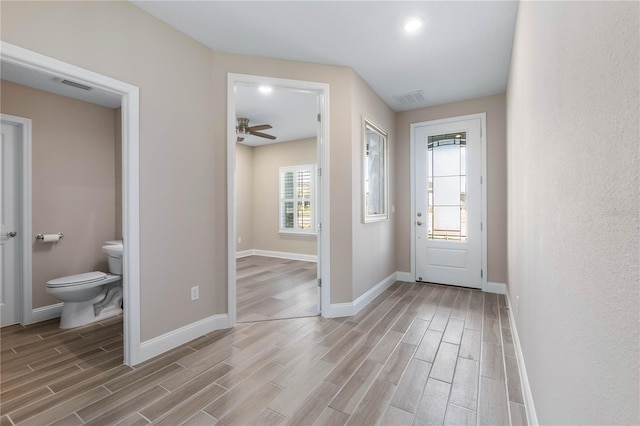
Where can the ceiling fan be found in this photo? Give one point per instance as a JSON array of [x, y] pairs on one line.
[[243, 130]]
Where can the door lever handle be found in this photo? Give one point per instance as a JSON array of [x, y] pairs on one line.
[[11, 234]]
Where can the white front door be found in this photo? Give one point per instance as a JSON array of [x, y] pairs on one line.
[[448, 201], [10, 225]]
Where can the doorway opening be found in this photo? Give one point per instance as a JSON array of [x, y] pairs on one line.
[[41, 71], [278, 198], [449, 201]]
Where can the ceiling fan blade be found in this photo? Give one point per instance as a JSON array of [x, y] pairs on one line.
[[263, 135], [260, 127]]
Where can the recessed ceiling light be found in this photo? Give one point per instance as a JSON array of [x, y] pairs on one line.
[[413, 24], [265, 89]]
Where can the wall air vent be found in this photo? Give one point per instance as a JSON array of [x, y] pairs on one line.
[[412, 98], [75, 84]]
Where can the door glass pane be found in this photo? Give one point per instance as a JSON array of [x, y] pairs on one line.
[[446, 160], [447, 170], [446, 191]]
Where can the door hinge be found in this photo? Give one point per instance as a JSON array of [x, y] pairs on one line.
[[481, 273], [480, 131], [319, 227], [480, 180], [319, 171], [481, 226], [319, 118], [319, 282]]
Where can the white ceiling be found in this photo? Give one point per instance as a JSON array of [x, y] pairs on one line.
[[462, 52], [292, 114]]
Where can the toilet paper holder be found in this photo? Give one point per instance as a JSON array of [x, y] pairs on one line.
[[41, 236]]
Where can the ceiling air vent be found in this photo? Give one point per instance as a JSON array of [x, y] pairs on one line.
[[75, 84], [412, 98]]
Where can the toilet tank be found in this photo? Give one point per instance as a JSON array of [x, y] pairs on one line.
[[114, 253]]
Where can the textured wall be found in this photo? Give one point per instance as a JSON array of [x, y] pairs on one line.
[[180, 205], [267, 160], [496, 179], [574, 177], [373, 243], [73, 182], [339, 80], [244, 197], [118, 163]]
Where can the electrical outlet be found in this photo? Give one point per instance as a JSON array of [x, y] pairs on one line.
[[239, 240], [195, 293]]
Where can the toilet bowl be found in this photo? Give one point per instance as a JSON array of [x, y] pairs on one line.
[[91, 296]]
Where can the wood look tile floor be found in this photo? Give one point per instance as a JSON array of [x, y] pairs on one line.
[[418, 354], [268, 288]]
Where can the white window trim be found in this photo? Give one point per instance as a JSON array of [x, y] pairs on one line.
[[313, 230]]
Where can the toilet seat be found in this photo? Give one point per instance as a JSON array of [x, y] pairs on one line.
[[78, 279]]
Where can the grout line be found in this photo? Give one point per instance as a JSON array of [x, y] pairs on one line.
[[480, 363], [76, 414], [504, 363]]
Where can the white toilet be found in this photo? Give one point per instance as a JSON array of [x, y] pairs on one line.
[[92, 296]]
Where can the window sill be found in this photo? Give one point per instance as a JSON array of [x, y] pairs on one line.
[[298, 233]]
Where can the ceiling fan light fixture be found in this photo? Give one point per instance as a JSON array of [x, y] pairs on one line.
[[413, 24]]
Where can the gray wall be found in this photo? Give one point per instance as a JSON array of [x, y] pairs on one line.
[[73, 182], [496, 178], [574, 173], [267, 160], [244, 197], [258, 195], [183, 118], [373, 243], [180, 205]]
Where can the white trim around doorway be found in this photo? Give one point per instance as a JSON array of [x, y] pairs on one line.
[[322, 89], [130, 184], [27, 314], [483, 138]]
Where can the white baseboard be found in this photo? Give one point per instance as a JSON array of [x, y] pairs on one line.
[[374, 292], [497, 288], [347, 309], [532, 417], [405, 276], [45, 313], [244, 253], [338, 310], [278, 254], [175, 338]]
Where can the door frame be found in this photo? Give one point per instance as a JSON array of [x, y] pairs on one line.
[[130, 186], [483, 140], [322, 90], [24, 126]]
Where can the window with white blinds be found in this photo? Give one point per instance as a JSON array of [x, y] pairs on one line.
[[297, 199]]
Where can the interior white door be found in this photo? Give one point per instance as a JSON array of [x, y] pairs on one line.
[[10, 226], [448, 202]]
